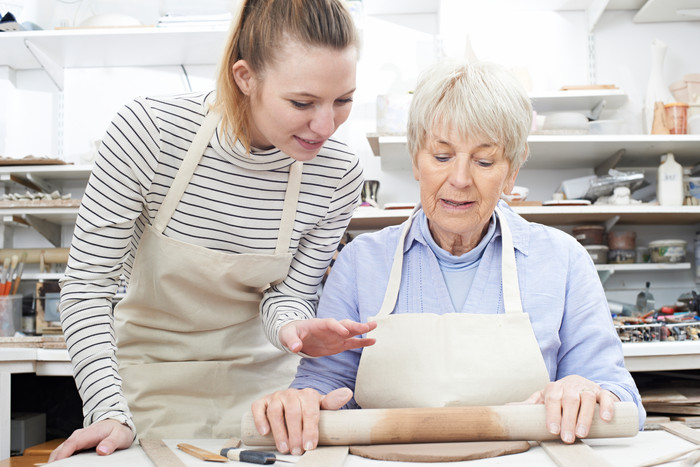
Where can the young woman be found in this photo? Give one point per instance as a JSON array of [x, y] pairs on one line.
[[218, 208]]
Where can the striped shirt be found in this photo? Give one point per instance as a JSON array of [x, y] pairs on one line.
[[233, 204]]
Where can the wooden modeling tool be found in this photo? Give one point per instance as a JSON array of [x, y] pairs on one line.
[[200, 453], [7, 286], [159, 453], [17, 280]]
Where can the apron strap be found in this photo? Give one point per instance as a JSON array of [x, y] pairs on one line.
[[190, 163], [291, 197], [509, 271], [392, 288], [187, 168]]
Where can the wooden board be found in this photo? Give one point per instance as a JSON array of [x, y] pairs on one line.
[[578, 454], [31, 160]]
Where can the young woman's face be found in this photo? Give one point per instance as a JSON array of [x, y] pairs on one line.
[[301, 99]]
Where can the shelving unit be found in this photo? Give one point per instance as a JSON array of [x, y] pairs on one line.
[[109, 47]]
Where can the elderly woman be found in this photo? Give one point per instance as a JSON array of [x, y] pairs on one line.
[[473, 304]]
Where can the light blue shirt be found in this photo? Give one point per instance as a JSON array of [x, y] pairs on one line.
[[559, 286], [458, 271]]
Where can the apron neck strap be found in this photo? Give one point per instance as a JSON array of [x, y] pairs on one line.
[[291, 197], [186, 170], [190, 163], [509, 271]]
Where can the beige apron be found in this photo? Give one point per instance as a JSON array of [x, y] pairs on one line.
[[454, 359], [192, 353]]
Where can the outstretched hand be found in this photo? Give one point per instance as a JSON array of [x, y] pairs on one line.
[[107, 435], [318, 337]]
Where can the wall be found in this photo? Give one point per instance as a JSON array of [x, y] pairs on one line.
[[547, 49]]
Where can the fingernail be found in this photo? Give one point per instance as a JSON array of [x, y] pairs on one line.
[[308, 446], [606, 415], [580, 431], [296, 452], [284, 448], [262, 430], [554, 428], [568, 437], [102, 449]]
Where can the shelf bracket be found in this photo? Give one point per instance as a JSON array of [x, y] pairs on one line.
[[53, 69], [594, 11], [49, 230], [611, 162]]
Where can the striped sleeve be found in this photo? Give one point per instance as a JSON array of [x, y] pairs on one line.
[[113, 200], [296, 297]]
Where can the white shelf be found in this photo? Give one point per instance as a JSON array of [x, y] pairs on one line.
[[577, 100], [661, 356], [58, 172], [655, 11], [631, 214], [63, 216], [571, 151], [642, 267], [111, 47]]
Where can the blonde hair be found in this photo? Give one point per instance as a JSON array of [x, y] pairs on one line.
[[256, 36], [481, 99]]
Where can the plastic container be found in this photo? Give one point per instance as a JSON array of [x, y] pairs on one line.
[[599, 253], [589, 234], [669, 184], [622, 240], [667, 251], [677, 117], [622, 256]]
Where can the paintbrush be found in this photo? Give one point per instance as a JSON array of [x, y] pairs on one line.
[[5, 270], [19, 273], [13, 266]]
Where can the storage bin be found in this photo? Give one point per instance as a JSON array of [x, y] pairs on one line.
[[622, 256], [599, 253], [681, 332], [667, 251], [589, 234], [625, 240]]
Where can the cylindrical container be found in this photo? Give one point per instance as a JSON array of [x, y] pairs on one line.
[[667, 251], [589, 234], [599, 253], [669, 183], [622, 240], [622, 256], [677, 117]]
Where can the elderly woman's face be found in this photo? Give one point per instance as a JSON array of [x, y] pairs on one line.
[[461, 180]]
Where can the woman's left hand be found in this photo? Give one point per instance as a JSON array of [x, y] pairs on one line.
[[318, 337], [570, 406]]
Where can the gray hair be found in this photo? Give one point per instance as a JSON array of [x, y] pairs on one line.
[[481, 99]]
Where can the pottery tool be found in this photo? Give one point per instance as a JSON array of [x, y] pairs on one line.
[[251, 457], [159, 453], [446, 424], [17, 280], [200, 453]]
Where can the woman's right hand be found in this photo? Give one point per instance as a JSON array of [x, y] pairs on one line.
[[293, 414], [107, 435]]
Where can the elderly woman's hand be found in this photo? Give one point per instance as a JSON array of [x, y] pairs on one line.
[[293, 416], [320, 337], [570, 406]]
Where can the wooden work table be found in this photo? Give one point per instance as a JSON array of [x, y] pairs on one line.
[[620, 452]]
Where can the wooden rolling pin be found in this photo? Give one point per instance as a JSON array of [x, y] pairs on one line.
[[446, 424]]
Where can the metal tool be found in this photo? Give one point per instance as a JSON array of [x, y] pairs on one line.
[[252, 457]]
